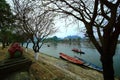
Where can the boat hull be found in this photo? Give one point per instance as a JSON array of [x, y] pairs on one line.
[[90, 65], [78, 51], [70, 59]]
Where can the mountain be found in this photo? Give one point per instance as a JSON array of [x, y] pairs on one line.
[[72, 37]]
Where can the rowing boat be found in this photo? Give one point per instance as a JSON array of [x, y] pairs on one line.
[[71, 59]]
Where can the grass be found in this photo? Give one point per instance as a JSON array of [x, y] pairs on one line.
[[3, 53], [42, 70]]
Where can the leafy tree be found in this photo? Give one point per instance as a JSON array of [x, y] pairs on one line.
[[100, 15], [55, 38], [6, 20]]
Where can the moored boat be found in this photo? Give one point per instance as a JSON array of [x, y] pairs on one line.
[[90, 65], [71, 59], [78, 51]]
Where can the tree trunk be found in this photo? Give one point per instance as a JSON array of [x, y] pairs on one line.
[[36, 55], [27, 46], [3, 45], [108, 70], [36, 50]]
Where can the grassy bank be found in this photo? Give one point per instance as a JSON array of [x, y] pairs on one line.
[[50, 68]]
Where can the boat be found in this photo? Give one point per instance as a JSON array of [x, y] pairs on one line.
[[48, 45], [71, 59], [78, 51], [90, 65]]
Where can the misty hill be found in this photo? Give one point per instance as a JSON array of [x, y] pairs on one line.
[[72, 37]]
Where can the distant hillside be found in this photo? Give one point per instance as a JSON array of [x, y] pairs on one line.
[[72, 37]]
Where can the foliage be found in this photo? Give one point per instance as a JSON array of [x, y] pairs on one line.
[[6, 22], [5, 15]]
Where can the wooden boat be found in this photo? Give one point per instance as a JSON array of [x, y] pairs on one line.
[[71, 59], [78, 51], [90, 65]]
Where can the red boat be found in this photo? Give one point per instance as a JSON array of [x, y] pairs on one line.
[[78, 51], [71, 59]]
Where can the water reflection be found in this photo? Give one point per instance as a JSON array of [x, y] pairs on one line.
[[54, 44]]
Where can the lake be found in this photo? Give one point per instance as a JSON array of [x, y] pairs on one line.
[[91, 54]]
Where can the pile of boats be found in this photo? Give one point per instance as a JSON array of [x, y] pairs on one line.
[[79, 61]]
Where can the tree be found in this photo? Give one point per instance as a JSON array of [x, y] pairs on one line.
[[34, 22], [6, 20], [100, 15]]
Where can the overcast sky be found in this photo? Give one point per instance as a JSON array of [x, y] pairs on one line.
[[68, 28]]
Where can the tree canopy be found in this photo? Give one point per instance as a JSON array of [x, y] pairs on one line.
[[33, 21], [6, 21], [5, 14]]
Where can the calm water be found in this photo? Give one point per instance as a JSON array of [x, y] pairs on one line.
[[91, 54]]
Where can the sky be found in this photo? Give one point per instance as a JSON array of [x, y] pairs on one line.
[[64, 26]]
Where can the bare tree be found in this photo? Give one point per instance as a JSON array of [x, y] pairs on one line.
[[100, 15], [34, 22]]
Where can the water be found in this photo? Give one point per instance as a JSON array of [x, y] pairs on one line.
[[91, 54]]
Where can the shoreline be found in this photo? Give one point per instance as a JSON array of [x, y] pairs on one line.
[[74, 72], [51, 68]]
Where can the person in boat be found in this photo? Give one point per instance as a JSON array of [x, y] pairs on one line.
[[82, 53], [48, 45]]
